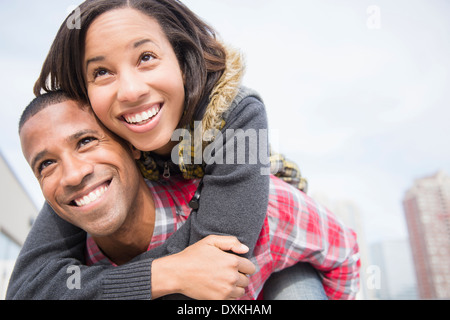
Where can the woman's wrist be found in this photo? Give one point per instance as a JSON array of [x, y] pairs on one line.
[[164, 277]]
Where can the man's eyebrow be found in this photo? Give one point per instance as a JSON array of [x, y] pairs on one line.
[[81, 133], [38, 158], [74, 137]]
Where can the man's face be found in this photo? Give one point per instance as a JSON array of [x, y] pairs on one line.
[[86, 174]]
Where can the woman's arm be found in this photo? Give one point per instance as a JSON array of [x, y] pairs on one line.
[[234, 196], [233, 202], [209, 272], [51, 266]]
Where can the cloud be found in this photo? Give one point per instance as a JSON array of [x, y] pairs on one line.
[[362, 111]]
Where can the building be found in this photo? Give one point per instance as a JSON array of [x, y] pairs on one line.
[[393, 261], [350, 214], [16, 216], [427, 212]]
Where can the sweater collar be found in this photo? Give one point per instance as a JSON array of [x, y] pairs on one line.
[[225, 91]]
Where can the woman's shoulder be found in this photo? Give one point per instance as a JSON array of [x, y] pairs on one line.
[[244, 97], [246, 106]]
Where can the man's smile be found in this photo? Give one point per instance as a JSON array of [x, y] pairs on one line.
[[91, 195]]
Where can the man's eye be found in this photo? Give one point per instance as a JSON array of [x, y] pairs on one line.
[[85, 141], [45, 164]]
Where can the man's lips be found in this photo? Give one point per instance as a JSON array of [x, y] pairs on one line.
[[91, 195]]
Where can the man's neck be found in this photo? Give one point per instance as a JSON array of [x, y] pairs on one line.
[[135, 235]]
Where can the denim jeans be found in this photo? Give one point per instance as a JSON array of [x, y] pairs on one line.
[[299, 282]]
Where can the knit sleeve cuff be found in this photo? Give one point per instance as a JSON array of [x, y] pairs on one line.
[[129, 282]]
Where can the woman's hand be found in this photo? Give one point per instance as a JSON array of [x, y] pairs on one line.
[[204, 271]]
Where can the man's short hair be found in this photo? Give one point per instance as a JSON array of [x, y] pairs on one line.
[[40, 103]]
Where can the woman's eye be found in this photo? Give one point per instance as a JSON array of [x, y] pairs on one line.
[[146, 57], [100, 73]]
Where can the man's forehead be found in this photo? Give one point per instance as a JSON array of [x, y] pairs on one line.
[[63, 114], [56, 124]]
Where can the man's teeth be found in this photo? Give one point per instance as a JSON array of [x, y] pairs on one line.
[[91, 197], [143, 116]]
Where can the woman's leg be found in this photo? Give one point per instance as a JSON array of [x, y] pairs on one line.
[[299, 282]]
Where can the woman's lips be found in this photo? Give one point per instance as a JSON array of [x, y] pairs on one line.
[[143, 117], [143, 121]]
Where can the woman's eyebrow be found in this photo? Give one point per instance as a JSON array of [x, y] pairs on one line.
[[96, 59], [139, 43], [136, 45]]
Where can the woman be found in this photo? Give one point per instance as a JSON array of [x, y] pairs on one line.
[[150, 67]]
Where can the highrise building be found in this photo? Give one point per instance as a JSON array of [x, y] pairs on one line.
[[427, 211]]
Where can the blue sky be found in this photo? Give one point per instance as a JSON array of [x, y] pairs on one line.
[[363, 111]]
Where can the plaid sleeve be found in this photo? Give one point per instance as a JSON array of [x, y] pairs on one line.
[[311, 233], [336, 252]]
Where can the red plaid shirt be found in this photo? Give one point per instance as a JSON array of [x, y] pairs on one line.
[[296, 229]]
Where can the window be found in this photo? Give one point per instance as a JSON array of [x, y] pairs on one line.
[[9, 250]]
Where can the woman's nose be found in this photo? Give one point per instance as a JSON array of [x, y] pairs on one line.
[[132, 87]]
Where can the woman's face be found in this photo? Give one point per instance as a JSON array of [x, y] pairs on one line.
[[134, 80]]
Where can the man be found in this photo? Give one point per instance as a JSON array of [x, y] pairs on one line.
[[90, 178]]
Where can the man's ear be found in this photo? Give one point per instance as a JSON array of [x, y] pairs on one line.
[[135, 152]]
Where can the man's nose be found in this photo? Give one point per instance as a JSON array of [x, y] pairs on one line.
[[132, 87], [75, 170]]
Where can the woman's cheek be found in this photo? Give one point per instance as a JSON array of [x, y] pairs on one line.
[[100, 104]]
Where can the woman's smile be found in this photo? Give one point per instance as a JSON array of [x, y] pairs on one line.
[[143, 121], [142, 117]]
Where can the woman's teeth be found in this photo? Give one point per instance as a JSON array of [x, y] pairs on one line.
[[143, 117]]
